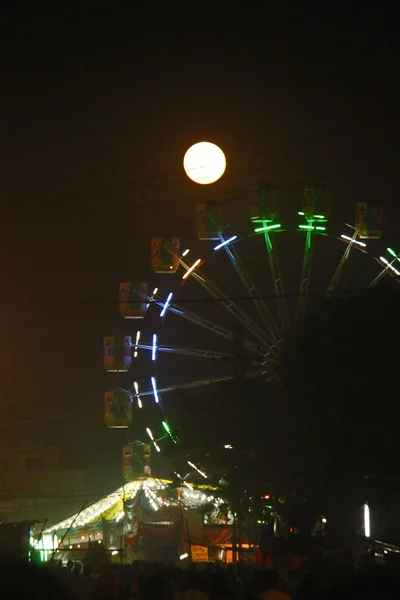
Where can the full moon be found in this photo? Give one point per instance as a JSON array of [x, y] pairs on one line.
[[204, 163]]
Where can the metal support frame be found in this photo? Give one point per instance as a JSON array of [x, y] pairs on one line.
[[277, 279], [201, 383], [388, 269], [305, 275], [250, 287], [209, 325], [232, 308], [340, 268], [195, 352]]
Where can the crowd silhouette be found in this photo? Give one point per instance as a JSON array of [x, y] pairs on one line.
[[213, 581]]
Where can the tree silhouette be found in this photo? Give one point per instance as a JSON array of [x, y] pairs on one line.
[[340, 377]]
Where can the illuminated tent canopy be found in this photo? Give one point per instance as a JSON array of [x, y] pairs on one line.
[[111, 507]]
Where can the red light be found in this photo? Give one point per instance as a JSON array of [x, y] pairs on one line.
[[291, 530], [267, 497]]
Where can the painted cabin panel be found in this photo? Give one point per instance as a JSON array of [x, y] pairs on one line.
[[117, 353], [164, 255], [118, 408], [133, 300]]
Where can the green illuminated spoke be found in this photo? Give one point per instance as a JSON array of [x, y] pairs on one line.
[[277, 279], [305, 274]]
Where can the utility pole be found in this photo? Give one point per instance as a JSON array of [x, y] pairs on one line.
[[239, 367]]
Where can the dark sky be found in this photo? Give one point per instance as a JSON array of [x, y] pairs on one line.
[[95, 118]]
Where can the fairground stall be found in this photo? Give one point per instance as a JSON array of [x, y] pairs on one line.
[[146, 519]]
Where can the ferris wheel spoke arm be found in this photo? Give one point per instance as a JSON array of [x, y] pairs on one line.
[[341, 266], [389, 269], [251, 289], [229, 305], [203, 382], [305, 275], [277, 279], [199, 352], [210, 326], [232, 308]]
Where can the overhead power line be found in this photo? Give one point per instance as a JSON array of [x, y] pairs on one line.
[[157, 180], [203, 300], [52, 417], [51, 393]]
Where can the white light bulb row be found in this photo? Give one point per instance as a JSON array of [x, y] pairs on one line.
[[90, 513], [152, 496], [157, 484], [150, 499], [193, 499]]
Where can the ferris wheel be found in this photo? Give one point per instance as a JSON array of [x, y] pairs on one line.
[[222, 298]]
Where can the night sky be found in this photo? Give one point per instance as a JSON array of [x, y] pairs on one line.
[[95, 119]]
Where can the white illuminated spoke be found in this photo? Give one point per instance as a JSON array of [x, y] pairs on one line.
[[154, 348], [155, 392], [192, 268], [389, 265], [136, 387], [225, 242], [197, 469], [166, 305], [349, 239], [136, 344], [367, 521]]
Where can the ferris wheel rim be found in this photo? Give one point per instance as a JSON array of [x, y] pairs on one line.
[[245, 238], [195, 271]]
